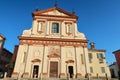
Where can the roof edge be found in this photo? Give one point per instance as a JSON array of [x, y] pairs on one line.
[[53, 39], [54, 8], [116, 51]]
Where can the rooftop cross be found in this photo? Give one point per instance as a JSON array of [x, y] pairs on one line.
[[56, 4], [73, 11]]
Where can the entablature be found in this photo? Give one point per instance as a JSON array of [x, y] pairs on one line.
[[52, 41]]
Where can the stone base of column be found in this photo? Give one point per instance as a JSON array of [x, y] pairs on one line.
[[15, 75], [62, 75], [44, 75], [26, 75], [78, 75]]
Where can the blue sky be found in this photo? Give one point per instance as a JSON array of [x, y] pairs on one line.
[[98, 19]]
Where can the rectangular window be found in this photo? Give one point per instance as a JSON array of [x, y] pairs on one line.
[[100, 57], [24, 57], [102, 69], [55, 28], [1, 41], [90, 57], [82, 59], [91, 69]]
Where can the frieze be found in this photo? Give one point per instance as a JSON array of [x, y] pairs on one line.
[[34, 42]]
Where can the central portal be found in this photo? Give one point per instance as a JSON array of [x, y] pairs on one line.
[[53, 69]]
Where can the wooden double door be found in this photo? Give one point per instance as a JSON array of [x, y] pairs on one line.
[[53, 69]]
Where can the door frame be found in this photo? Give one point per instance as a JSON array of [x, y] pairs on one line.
[[39, 71], [67, 69]]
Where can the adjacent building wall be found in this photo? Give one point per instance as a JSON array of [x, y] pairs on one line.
[[114, 70]]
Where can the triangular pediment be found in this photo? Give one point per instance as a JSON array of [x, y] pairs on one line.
[[55, 11]]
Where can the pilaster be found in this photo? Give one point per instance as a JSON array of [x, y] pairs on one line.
[[34, 27], [62, 29], [48, 28], [45, 62], [76, 30], [27, 71], [63, 67], [19, 64], [85, 52]]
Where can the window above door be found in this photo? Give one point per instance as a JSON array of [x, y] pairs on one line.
[[55, 27]]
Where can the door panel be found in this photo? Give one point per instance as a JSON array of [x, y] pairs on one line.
[[53, 69]]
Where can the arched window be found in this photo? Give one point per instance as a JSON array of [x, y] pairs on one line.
[[55, 28]]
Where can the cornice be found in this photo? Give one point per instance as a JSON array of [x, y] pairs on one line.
[[52, 39], [97, 50], [56, 16]]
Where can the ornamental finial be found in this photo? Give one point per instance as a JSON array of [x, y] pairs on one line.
[[37, 8], [73, 11]]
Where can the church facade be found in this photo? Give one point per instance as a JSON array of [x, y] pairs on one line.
[[53, 47]]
